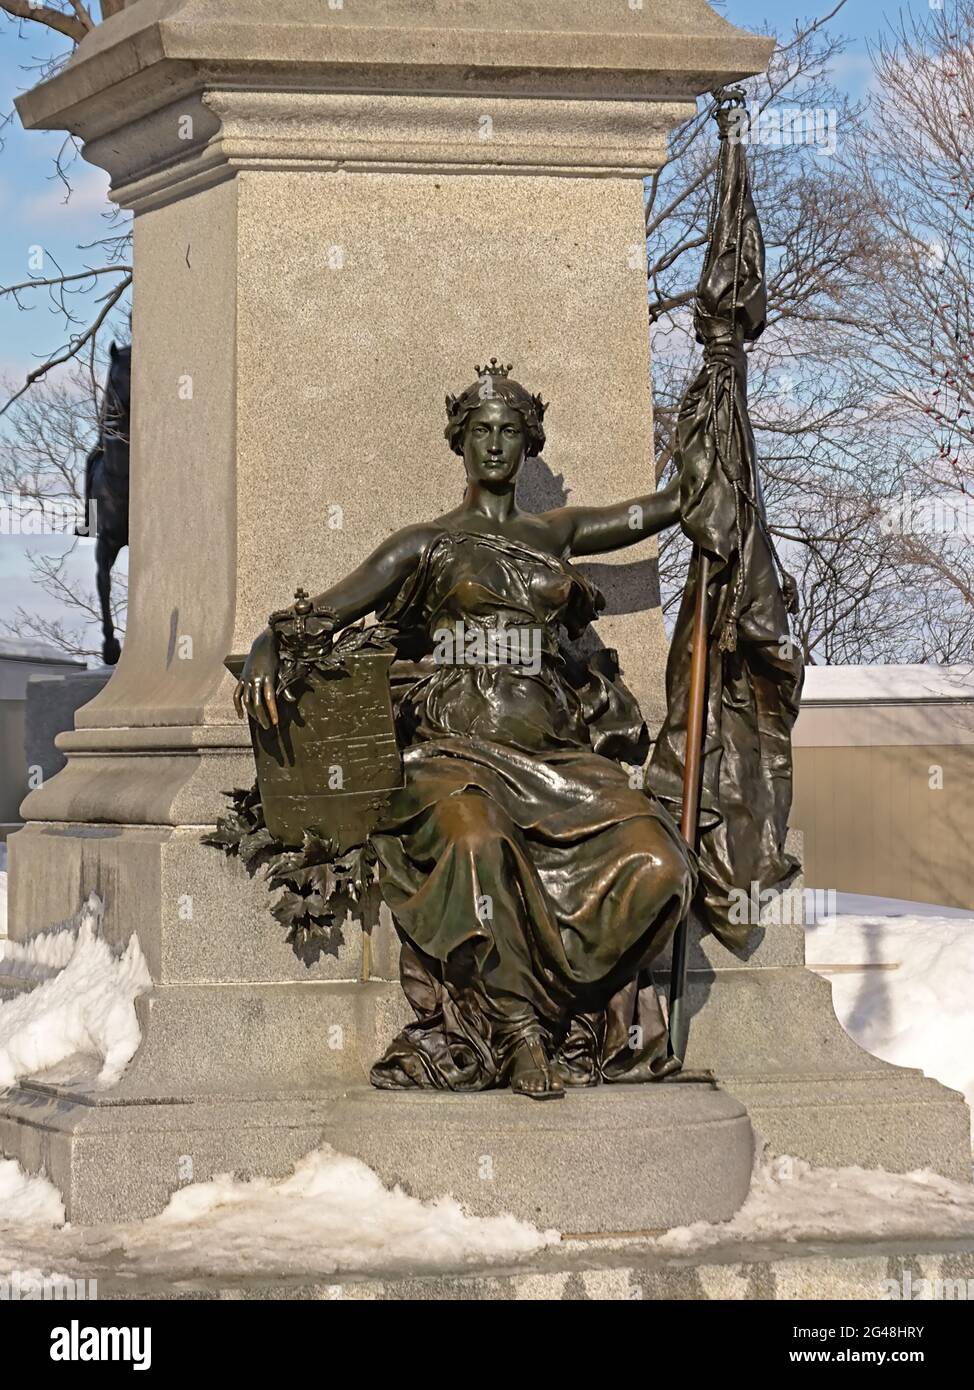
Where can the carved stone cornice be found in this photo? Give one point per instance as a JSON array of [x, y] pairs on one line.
[[220, 132], [172, 94]]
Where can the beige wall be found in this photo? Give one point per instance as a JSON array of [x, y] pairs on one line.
[[884, 783], [13, 765], [18, 662]]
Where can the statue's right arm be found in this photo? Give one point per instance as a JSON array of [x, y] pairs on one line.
[[367, 588]]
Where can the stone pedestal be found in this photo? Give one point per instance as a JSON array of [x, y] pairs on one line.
[[336, 214], [338, 211], [765, 1025]]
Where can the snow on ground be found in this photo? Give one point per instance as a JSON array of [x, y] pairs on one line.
[[330, 1204], [911, 999], [790, 1200], [860, 904], [27, 1201], [42, 956], [83, 1005], [332, 1213]]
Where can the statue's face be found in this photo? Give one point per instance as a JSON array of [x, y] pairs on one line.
[[494, 443]]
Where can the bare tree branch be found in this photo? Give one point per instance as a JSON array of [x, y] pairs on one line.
[[75, 346], [66, 279], [72, 26]]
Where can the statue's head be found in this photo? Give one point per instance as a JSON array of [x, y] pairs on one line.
[[119, 382], [494, 425]]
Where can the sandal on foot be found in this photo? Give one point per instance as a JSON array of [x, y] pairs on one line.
[[554, 1090]]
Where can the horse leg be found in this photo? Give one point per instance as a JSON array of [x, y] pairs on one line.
[[106, 553], [93, 464]]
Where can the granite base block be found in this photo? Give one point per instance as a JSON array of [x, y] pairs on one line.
[[610, 1159]]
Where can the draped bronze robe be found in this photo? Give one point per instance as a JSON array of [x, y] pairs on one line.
[[530, 881]]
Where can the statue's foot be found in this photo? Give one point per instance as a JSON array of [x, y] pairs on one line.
[[574, 1076], [533, 1075]]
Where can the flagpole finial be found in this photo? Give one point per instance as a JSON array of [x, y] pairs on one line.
[[730, 96]]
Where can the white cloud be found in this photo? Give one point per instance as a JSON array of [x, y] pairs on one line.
[[53, 207]]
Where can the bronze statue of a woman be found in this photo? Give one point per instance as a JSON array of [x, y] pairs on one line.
[[531, 878]]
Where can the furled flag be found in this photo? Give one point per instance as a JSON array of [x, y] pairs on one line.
[[754, 674]]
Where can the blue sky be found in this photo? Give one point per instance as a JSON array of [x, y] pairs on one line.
[[33, 210]]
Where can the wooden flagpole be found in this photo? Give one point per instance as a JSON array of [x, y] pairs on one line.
[[679, 1021]]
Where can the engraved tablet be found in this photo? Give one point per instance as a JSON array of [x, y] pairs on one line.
[[330, 764]]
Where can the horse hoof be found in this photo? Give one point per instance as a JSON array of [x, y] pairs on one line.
[[110, 652]]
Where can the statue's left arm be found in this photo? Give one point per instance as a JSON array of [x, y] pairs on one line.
[[592, 530]]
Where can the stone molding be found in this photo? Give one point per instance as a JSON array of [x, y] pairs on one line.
[[242, 129]]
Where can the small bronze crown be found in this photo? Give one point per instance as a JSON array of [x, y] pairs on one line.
[[495, 369]]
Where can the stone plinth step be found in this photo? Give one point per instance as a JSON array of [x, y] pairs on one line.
[[610, 1158], [151, 1148]]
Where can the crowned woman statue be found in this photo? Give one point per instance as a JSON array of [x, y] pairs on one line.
[[531, 877]]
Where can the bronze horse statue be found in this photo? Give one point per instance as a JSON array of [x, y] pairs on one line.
[[107, 488]]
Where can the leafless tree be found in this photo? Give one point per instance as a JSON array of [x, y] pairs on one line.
[[75, 294], [809, 408], [50, 418], [840, 439], [72, 18], [915, 345]]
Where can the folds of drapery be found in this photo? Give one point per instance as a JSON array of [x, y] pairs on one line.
[[754, 670]]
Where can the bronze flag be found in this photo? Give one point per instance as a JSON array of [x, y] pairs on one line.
[[754, 670]]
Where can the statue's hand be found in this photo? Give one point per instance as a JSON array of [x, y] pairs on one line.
[[730, 112], [254, 694]]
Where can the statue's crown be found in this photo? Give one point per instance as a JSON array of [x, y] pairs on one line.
[[494, 369]]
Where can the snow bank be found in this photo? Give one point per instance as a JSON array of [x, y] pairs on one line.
[[87, 1007], [42, 956], [3, 888], [911, 1003], [331, 1214], [790, 1200], [27, 1201]]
